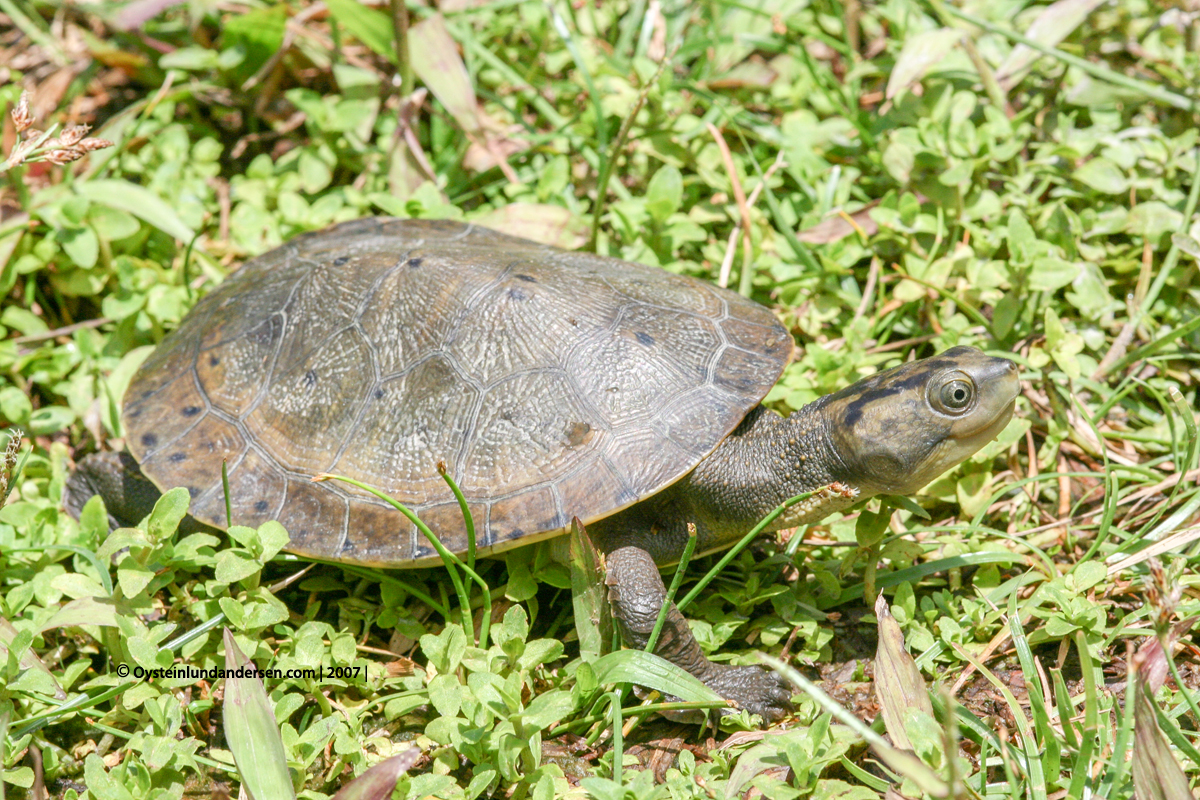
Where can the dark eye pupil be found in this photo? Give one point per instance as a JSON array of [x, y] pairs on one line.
[[956, 394]]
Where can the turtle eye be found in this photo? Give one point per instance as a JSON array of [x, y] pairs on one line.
[[956, 395]]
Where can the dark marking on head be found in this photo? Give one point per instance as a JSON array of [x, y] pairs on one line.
[[645, 338], [191, 411], [414, 263], [149, 440], [878, 391], [310, 379], [261, 506], [526, 278], [517, 294], [175, 458], [337, 262], [213, 361]]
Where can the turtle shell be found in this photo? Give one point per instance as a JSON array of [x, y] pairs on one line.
[[550, 384]]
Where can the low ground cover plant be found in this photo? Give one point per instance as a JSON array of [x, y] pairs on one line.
[[892, 179]]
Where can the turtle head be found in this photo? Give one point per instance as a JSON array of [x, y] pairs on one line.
[[896, 431]]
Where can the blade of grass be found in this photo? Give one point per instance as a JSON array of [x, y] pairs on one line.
[[251, 731], [448, 559], [748, 538], [901, 762], [1050, 752], [1103, 73], [468, 520], [1035, 775], [680, 570], [609, 158]]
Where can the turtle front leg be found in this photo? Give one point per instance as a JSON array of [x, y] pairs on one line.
[[637, 592]]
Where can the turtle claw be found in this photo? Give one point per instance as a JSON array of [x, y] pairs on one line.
[[754, 689]]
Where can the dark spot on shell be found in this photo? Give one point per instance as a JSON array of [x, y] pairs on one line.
[[149, 440], [526, 278], [413, 263], [213, 361], [516, 533], [378, 393], [191, 411], [337, 262], [578, 433], [261, 506], [310, 379], [645, 338], [175, 458], [517, 294]]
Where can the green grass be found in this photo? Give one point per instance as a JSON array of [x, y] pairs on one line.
[[1042, 207]]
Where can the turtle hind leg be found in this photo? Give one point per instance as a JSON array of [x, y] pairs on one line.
[[129, 496], [637, 592]]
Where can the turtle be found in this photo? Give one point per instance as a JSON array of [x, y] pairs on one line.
[[551, 385]]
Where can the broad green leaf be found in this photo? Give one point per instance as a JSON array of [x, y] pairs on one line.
[[898, 682], [647, 669], [140, 202], [257, 34], [1186, 244], [84, 611], [369, 25], [919, 53], [1089, 574], [50, 419], [1103, 176], [251, 731], [20, 641], [435, 59], [80, 244], [1051, 274], [314, 173], [132, 577], [1022, 242], [1053, 24], [547, 708], [234, 565], [664, 193], [168, 511]]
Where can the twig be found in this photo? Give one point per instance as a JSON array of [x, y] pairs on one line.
[[727, 261], [400, 29], [1095, 70], [744, 209], [66, 330], [623, 134], [868, 290]]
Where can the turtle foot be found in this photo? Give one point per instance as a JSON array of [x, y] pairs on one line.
[[752, 688]]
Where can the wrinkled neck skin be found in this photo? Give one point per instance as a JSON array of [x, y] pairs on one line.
[[766, 460]]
